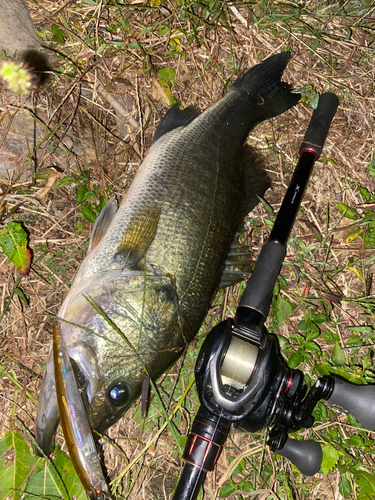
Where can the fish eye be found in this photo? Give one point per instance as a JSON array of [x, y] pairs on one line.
[[118, 394]]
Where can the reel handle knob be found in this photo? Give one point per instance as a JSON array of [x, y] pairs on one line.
[[306, 455], [359, 400]]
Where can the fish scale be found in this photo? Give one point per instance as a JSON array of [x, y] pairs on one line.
[[154, 265]]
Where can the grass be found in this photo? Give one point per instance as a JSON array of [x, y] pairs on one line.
[[148, 55]]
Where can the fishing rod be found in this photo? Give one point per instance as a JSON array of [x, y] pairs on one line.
[[242, 379]]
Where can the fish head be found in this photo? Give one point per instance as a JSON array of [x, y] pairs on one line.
[[117, 329]]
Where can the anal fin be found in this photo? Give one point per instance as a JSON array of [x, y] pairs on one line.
[[238, 264], [255, 177]]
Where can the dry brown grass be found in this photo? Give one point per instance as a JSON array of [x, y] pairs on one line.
[[94, 138]]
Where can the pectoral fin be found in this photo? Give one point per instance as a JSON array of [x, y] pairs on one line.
[[102, 222], [138, 235], [47, 418]]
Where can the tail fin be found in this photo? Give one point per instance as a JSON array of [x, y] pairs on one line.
[[263, 85]]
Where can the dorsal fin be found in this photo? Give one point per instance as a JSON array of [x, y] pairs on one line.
[[138, 235], [174, 118], [102, 222]]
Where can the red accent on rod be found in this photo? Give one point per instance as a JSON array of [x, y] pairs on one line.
[[309, 150]]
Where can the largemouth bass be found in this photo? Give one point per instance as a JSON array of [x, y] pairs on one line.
[[154, 264]]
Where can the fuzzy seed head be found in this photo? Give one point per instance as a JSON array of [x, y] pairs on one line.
[[17, 78]]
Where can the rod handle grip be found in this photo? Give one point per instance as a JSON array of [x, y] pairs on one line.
[[359, 400], [321, 120], [306, 455], [259, 290]]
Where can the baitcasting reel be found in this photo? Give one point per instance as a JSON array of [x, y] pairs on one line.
[[242, 379], [241, 376]]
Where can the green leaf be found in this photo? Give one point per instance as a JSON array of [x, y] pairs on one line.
[[324, 368], [88, 213], [102, 204], [166, 88], [330, 458], [13, 241], [313, 98], [163, 29], [89, 194], [21, 295], [338, 353], [81, 193], [311, 346], [319, 318], [365, 193], [303, 90], [59, 35], [240, 467], [371, 168], [303, 325], [330, 337], [282, 308], [65, 181], [366, 482], [320, 412], [167, 74], [351, 420], [227, 490], [313, 332], [348, 212], [116, 44], [298, 337], [366, 330], [345, 488], [57, 479], [355, 341], [245, 485], [356, 441], [295, 359], [16, 463]]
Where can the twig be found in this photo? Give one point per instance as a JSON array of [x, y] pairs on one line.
[[120, 110], [238, 15]]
